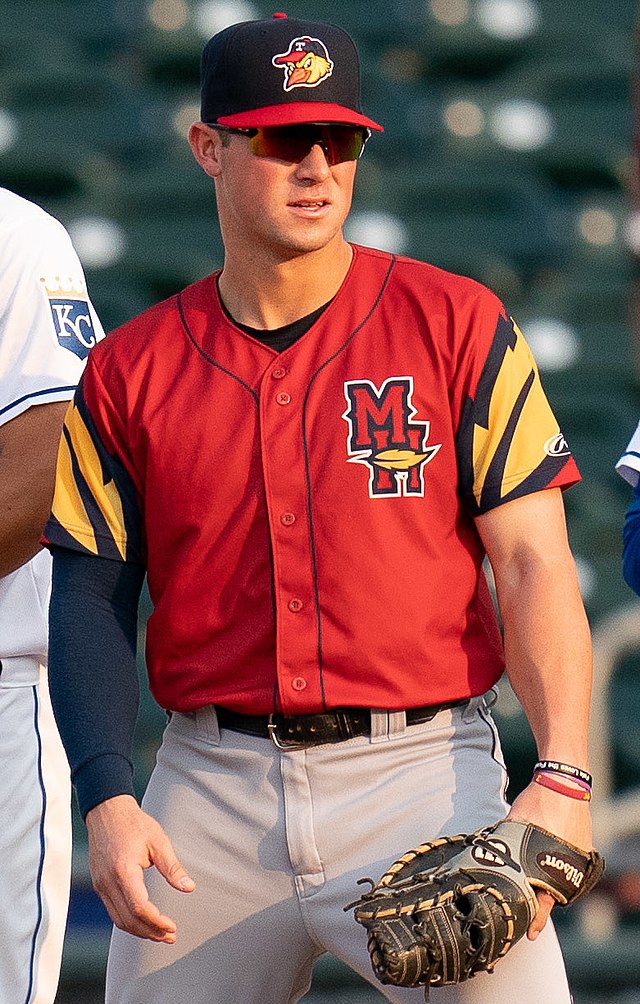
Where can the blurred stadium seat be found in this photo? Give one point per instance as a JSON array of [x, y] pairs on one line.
[[463, 218], [589, 116], [168, 253], [61, 106], [569, 121], [99, 27]]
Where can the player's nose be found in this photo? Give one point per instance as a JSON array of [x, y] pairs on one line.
[[314, 165]]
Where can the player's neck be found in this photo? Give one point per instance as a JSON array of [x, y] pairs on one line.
[[269, 294]]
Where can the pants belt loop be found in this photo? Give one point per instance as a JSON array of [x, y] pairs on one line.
[[207, 724], [387, 724], [471, 710], [397, 723], [379, 725]]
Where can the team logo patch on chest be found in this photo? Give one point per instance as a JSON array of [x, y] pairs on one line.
[[384, 436], [71, 317]]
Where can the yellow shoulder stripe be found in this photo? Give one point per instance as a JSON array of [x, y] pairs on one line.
[[68, 507], [524, 452], [106, 496]]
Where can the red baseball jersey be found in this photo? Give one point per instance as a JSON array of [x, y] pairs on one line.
[[306, 518]]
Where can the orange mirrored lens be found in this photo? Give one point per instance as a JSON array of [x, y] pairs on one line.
[[293, 143]]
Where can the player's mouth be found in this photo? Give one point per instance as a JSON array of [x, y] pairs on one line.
[[310, 207]]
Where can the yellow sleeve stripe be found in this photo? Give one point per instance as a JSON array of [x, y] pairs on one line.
[[511, 421], [106, 496], [68, 507], [526, 451]]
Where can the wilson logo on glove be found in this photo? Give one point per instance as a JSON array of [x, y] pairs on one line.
[[571, 872], [494, 853]]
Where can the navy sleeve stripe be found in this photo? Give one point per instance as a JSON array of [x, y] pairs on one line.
[[35, 394]]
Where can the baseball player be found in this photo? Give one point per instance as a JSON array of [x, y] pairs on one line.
[[47, 326], [309, 454], [628, 467]]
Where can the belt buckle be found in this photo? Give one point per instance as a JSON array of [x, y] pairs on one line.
[[272, 729]]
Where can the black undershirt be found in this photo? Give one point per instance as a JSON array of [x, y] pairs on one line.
[[280, 339], [92, 646]]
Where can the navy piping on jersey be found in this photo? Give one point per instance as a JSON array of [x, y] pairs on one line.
[[281, 339], [38, 923], [208, 358], [37, 393], [305, 446]]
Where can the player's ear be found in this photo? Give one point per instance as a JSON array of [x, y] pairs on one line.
[[206, 145]]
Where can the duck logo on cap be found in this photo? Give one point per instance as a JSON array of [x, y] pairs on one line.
[[305, 64]]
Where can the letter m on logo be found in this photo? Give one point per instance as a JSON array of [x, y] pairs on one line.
[[384, 437]]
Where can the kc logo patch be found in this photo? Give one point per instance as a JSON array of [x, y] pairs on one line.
[[71, 316], [306, 63], [385, 438]]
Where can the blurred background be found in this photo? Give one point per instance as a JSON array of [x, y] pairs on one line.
[[509, 155]]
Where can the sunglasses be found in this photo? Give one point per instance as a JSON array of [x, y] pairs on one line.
[[293, 143]]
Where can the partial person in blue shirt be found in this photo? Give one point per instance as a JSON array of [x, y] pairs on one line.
[[628, 467]]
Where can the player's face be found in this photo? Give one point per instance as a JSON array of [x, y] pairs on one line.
[[266, 203]]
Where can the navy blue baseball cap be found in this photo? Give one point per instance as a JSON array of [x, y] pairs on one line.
[[281, 71]]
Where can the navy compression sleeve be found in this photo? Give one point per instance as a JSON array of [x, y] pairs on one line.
[[631, 543], [92, 670]]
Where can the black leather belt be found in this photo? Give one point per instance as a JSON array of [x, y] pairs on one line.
[[288, 732]]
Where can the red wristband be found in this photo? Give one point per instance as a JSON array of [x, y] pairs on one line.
[[576, 780], [562, 789]]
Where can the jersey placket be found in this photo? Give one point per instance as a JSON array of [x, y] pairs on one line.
[[297, 632]]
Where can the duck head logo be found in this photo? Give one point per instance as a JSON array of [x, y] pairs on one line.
[[305, 64]]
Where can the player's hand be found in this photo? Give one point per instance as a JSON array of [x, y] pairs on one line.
[[123, 841], [566, 818]]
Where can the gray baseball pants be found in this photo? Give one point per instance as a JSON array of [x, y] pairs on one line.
[[276, 842]]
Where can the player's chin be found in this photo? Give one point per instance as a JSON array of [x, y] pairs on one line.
[[325, 224], [302, 245]]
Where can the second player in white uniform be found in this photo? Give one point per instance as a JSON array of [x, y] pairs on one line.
[[47, 326]]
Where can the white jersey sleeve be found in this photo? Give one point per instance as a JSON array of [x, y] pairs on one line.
[[47, 322], [47, 326], [629, 464]]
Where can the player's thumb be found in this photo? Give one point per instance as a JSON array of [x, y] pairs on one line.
[[168, 865]]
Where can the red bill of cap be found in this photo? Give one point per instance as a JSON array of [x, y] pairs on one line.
[[296, 113]]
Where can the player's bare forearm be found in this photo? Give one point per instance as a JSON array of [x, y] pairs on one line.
[[123, 841], [546, 634], [548, 654], [28, 449]]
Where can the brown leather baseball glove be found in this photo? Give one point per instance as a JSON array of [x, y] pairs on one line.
[[453, 907]]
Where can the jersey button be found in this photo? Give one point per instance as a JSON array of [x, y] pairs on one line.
[[288, 518], [295, 606], [298, 683], [283, 398], [278, 373]]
